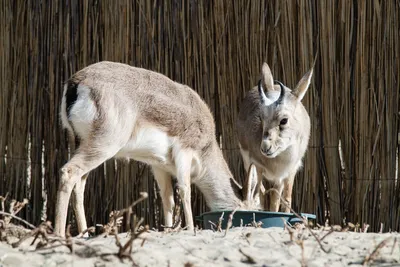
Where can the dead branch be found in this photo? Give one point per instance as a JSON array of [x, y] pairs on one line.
[[303, 257], [116, 217], [254, 223], [365, 227], [18, 219], [15, 207], [229, 223], [374, 254], [219, 226], [290, 230], [249, 259], [88, 230], [301, 218], [213, 225], [330, 232], [3, 200], [394, 245], [124, 251], [177, 224], [47, 240]]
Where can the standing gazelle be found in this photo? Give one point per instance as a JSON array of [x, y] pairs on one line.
[[114, 110], [273, 130]]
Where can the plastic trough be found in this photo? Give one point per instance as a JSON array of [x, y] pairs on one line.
[[268, 219]]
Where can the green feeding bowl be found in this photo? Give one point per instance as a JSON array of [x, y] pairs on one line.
[[246, 217]]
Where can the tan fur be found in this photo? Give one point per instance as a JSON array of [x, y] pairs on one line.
[[145, 116], [260, 132]]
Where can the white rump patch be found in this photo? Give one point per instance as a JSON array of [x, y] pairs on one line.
[[83, 112]]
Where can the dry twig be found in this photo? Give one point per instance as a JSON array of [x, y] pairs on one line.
[[330, 232], [116, 216], [301, 218], [394, 245], [213, 225], [3, 200], [18, 219], [219, 226], [15, 207], [229, 223], [290, 230], [124, 251], [254, 223], [249, 259], [371, 257], [303, 257]]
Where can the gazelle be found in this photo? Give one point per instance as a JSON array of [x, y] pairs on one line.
[[273, 129], [113, 110]]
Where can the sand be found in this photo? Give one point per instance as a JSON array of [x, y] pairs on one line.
[[246, 246]]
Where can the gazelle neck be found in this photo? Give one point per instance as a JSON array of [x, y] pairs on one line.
[[215, 183]]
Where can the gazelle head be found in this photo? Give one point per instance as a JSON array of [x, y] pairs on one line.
[[282, 113]]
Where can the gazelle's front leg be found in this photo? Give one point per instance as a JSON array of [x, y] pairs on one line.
[[287, 191], [164, 182], [275, 197], [183, 161]]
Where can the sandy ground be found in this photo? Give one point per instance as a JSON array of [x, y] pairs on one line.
[[240, 247]]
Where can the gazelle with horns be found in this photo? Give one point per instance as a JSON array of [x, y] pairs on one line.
[[273, 129]]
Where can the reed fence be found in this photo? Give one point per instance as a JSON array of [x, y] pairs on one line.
[[217, 47]]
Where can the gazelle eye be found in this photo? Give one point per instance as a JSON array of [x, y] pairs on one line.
[[283, 121]]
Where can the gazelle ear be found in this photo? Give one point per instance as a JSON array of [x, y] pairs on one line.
[[302, 86], [250, 185], [267, 81]]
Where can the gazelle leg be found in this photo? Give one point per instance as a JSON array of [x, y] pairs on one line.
[[275, 197], [183, 160], [77, 203], [287, 191], [164, 182], [85, 160]]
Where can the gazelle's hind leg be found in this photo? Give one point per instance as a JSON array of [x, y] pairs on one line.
[[164, 181], [87, 158], [183, 161], [77, 203]]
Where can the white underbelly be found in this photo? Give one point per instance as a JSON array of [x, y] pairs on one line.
[[155, 147], [151, 146]]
